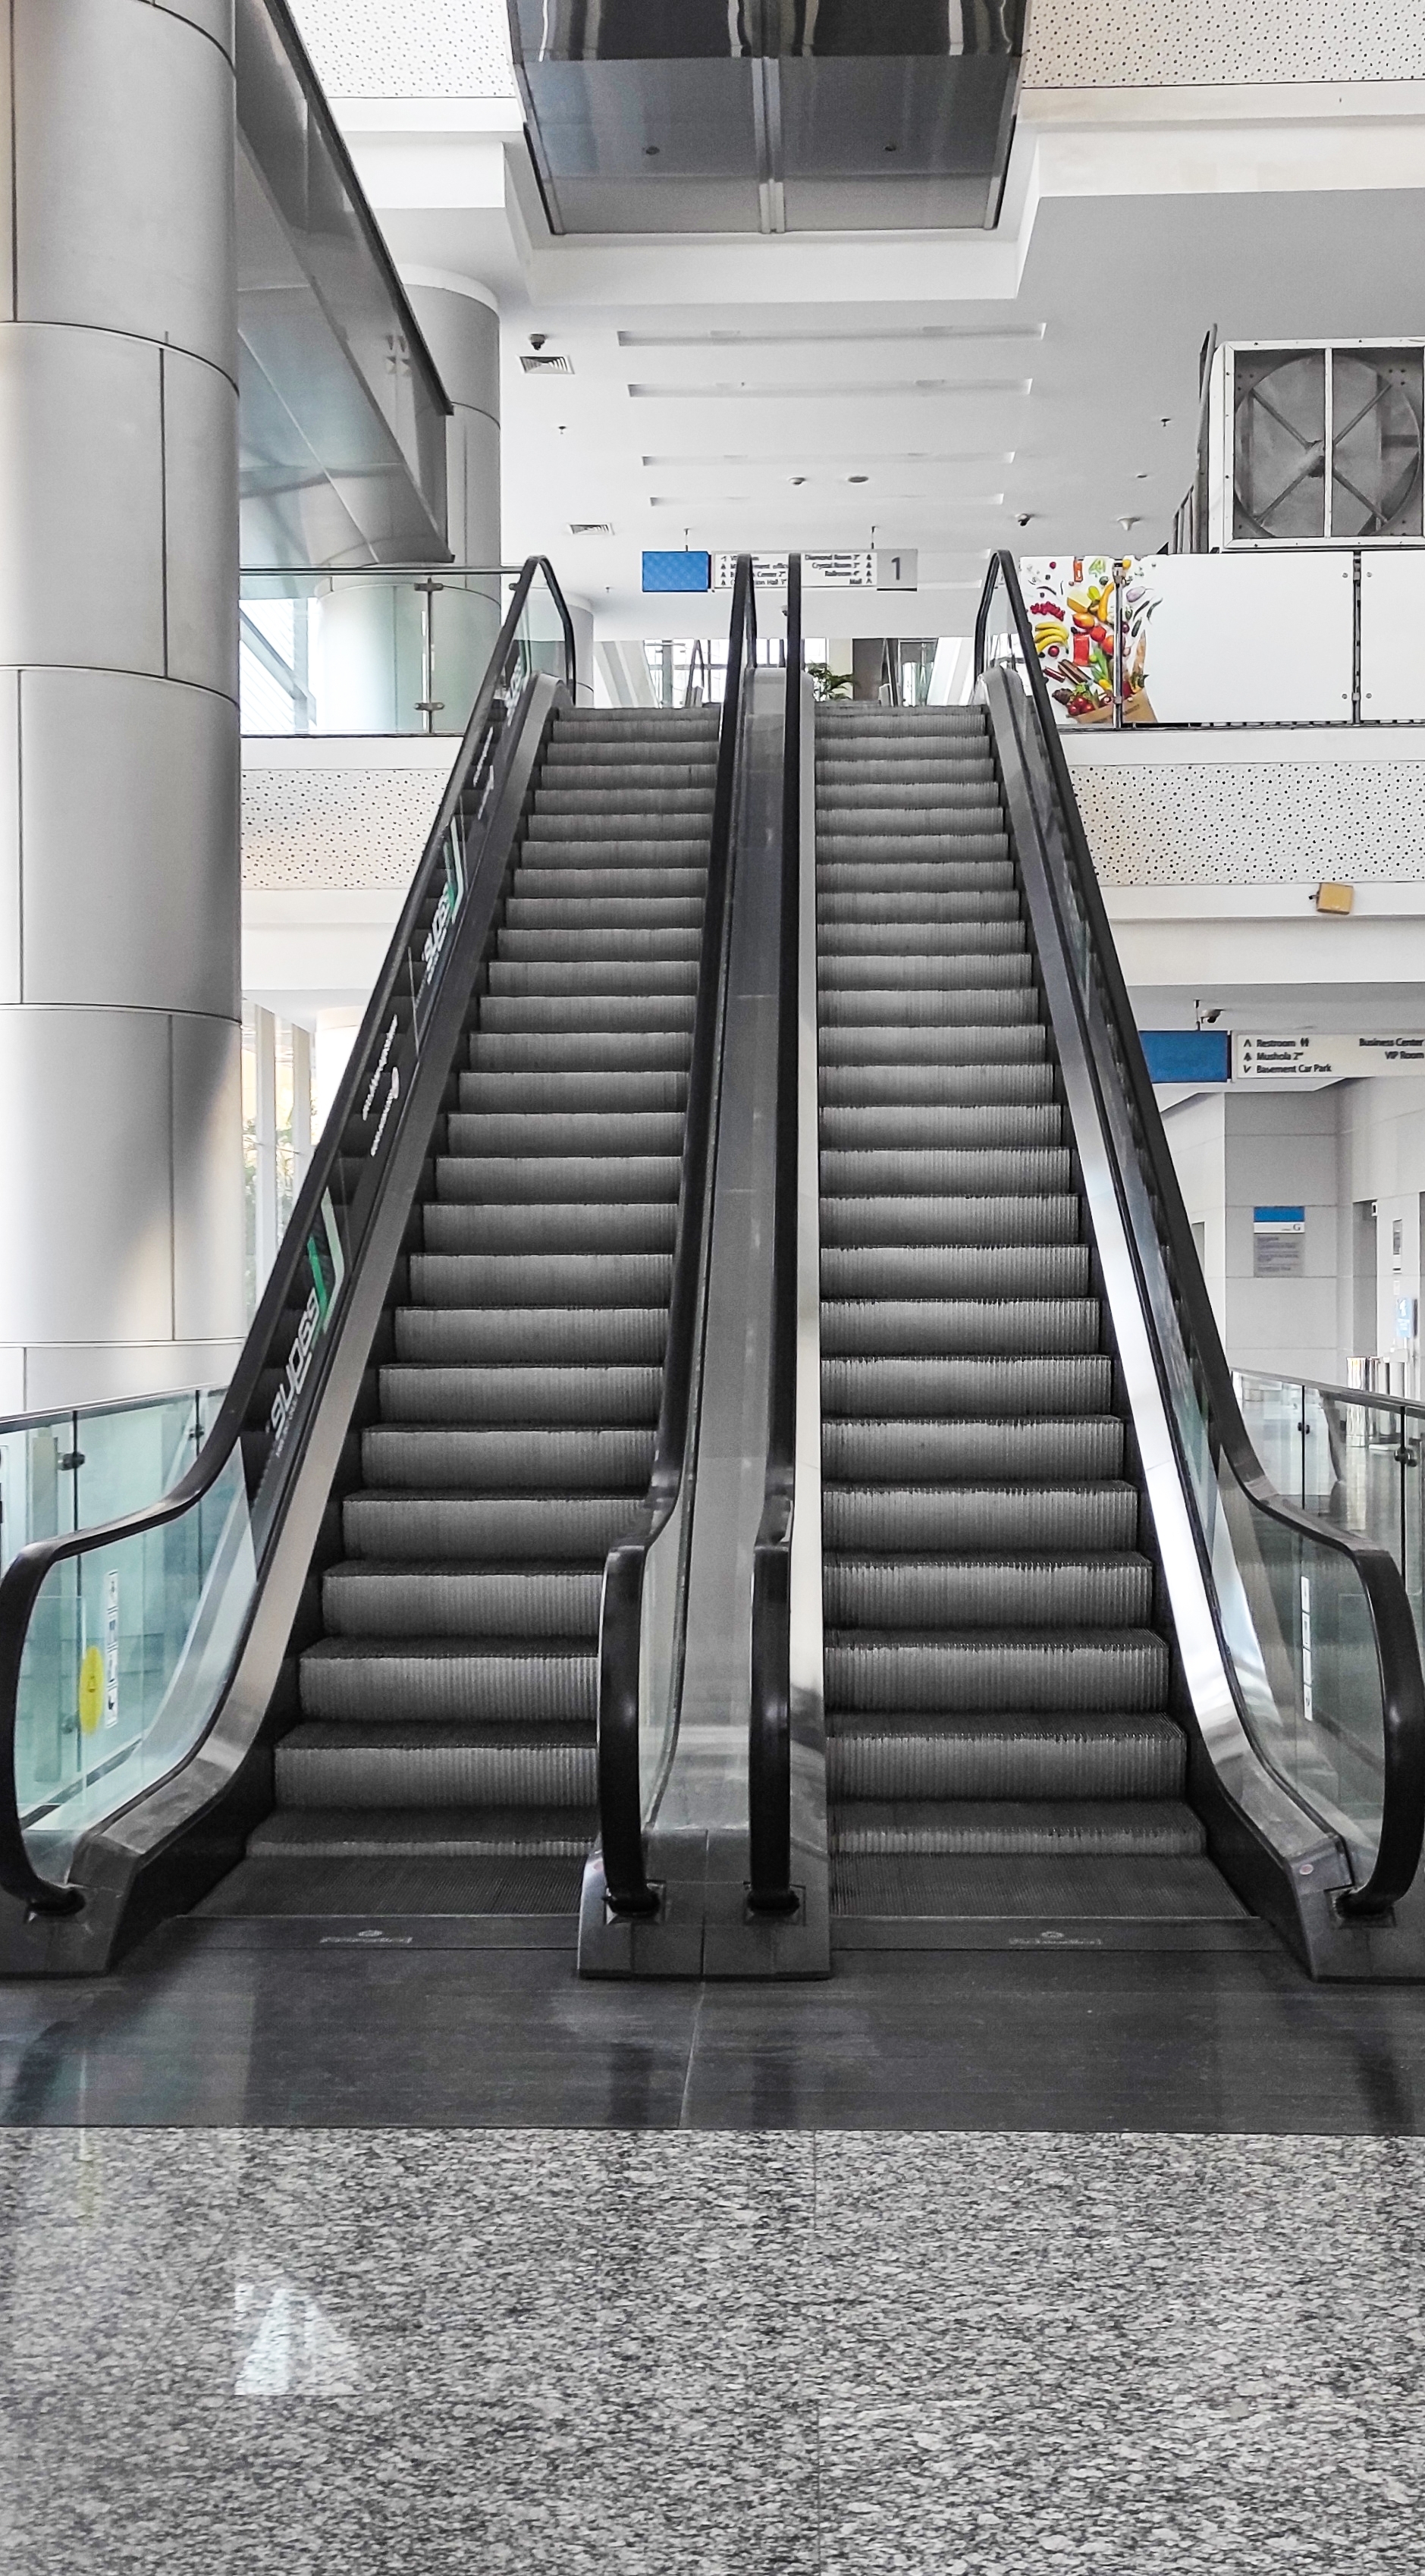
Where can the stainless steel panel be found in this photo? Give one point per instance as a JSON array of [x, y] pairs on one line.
[[130, 852], [463, 336], [85, 1187], [123, 178], [9, 836], [200, 443], [81, 499], [215, 17], [206, 1136]]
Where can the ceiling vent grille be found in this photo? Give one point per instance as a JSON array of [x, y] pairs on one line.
[[537, 364], [590, 528]]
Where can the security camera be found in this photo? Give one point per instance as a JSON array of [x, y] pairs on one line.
[[537, 339]]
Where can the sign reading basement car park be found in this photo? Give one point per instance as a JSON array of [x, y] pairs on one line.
[[1324, 1059]]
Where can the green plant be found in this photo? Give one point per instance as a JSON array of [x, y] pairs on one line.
[[828, 683]]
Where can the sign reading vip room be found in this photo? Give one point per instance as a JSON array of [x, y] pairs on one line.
[[1278, 1242], [1324, 1059]]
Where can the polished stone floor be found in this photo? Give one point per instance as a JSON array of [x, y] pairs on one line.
[[237, 2026], [327, 2260], [688, 2353]]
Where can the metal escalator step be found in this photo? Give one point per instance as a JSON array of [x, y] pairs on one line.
[[845, 947], [691, 801], [573, 1228], [524, 1395], [928, 1220], [959, 879], [863, 1087], [659, 1088], [561, 1336], [518, 1603], [940, 1270], [590, 1459], [1066, 1451], [883, 911], [1063, 1593], [976, 1004], [654, 852], [971, 1389], [982, 1171], [581, 942], [442, 1678], [1114, 1669], [975, 800], [567, 1015], [587, 913], [630, 1134], [977, 1519], [331, 1833], [936, 1327], [557, 888], [976, 830], [952, 1042], [941, 970], [565, 1055], [585, 1279], [1136, 1828], [353, 1892], [546, 979], [390, 1767], [580, 1179], [936, 1126], [423, 1528], [1012, 1755]]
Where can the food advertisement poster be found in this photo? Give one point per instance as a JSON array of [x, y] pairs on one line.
[[1090, 615]]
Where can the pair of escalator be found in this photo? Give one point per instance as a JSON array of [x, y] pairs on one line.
[[1024, 1650]]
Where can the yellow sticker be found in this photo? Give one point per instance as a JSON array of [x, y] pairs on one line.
[[91, 1689]]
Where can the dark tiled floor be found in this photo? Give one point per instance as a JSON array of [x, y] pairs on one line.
[[196, 2030]]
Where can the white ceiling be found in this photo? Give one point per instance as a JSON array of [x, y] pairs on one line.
[[726, 394]]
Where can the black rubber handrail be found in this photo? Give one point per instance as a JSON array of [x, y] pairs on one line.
[[769, 1747], [1392, 1623], [620, 1776], [245, 1421]]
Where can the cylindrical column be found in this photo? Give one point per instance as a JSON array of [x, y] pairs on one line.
[[461, 323], [120, 1014]]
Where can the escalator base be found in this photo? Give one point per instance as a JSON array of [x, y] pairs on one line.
[[909, 1902], [365, 1885]]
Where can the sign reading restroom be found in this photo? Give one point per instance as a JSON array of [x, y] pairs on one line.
[[1278, 1242]]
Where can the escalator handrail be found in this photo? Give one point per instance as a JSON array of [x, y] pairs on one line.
[[241, 1407], [1388, 1604], [620, 1788], [769, 1747]]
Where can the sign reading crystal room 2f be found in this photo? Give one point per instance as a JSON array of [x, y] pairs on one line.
[[1278, 1242]]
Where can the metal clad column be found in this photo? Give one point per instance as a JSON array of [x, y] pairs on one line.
[[120, 1011], [461, 324]]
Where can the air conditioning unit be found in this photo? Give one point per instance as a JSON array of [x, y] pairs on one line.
[[1315, 443]]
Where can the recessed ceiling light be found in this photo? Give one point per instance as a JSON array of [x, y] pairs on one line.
[[799, 478], [858, 478], [651, 151]]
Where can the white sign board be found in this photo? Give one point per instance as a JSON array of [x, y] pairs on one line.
[[1319, 1059]]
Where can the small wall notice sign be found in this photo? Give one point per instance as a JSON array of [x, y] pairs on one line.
[[1279, 1243]]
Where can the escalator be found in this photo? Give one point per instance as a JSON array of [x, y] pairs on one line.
[[358, 1662], [735, 1443], [444, 1758], [1000, 1748]]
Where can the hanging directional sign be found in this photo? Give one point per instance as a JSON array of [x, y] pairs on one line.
[[1319, 1059]]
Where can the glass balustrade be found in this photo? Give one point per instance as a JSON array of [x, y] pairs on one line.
[[379, 651]]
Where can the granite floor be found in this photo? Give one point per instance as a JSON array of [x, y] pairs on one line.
[[674, 2353]]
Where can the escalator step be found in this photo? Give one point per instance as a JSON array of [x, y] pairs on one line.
[[1130, 1828], [1007, 1756]]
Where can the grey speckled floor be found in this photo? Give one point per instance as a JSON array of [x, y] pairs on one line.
[[344, 2353]]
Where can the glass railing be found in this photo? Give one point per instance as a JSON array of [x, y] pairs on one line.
[[1346, 1454], [378, 650], [118, 1643], [1310, 1622], [64, 1471]]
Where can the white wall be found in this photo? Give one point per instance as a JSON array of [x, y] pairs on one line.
[[1338, 1152]]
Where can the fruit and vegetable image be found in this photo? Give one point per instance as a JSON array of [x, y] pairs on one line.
[[1087, 612]]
